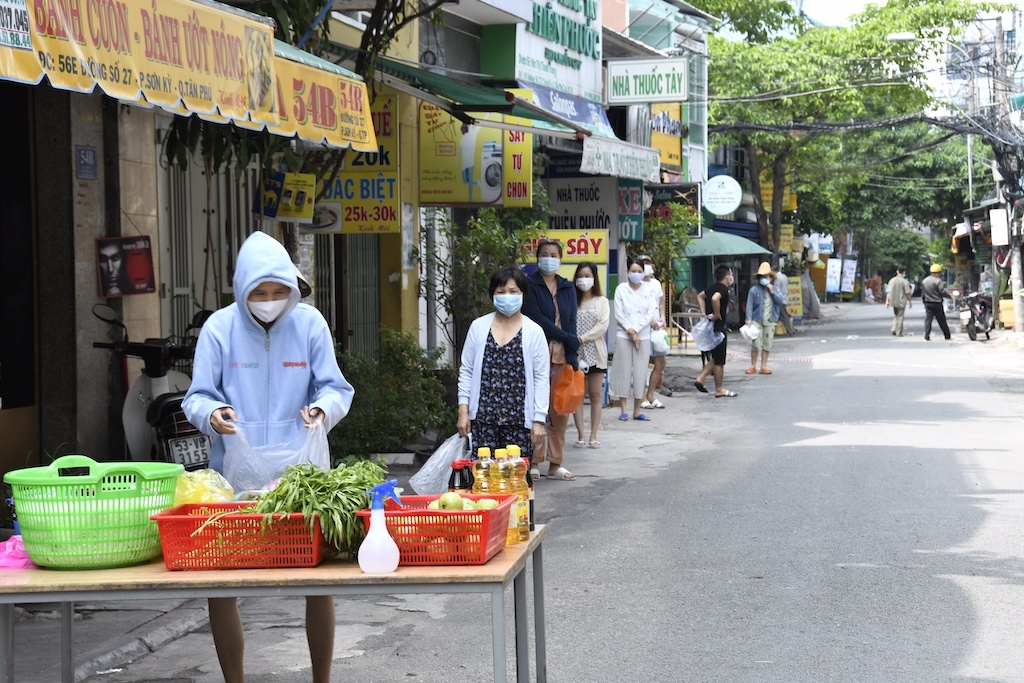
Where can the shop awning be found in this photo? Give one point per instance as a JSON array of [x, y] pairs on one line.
[[188, 57], [714, 243], [316, 100], [603, 153], [469, 101]]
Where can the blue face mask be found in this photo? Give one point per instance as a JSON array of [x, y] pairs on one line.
[[508, 304], [548, 264], [764, 281], [636, 278]]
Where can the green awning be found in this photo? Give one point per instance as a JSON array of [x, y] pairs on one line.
[[465, 100]]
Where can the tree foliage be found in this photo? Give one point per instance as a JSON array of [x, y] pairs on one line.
[[771, 99], [665, 237]]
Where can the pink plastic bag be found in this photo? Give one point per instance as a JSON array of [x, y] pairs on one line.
[[14, 556]]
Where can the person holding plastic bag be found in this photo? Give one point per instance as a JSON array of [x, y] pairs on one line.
[[266, 363], [714, 303], [551, 303], [659, 352], [635, 311], [503, 378]]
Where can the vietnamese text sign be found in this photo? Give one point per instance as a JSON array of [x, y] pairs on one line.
[[577, 246], [560, 48], [586, 205], [667, 133], [320, 106], [205, 58], [631, 210], [469, 168], [646, 80], [603, 156], [365, 197]]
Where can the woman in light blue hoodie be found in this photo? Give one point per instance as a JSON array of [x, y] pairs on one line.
[[267, 363]]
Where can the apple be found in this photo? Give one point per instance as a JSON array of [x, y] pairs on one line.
[[433, 505], [486, 504], [450, 501]]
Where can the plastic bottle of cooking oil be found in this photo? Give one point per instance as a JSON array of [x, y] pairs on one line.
[[520, 470], [481, 470], [501, 484]]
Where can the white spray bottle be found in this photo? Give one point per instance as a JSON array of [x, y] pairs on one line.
[[378, 553]]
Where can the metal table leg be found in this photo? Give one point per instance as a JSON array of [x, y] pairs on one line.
[[498, 632], [522, 628], [67, 641], [538, 613], [7, 643]]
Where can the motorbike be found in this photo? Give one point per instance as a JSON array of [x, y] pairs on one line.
[[155, 427], [976, 314]]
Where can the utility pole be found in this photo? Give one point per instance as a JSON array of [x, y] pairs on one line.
[[999, 83]]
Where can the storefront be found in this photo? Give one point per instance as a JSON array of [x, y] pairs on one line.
[[82, 167]]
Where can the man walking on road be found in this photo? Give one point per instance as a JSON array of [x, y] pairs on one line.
[[933, 291], [897, 295]]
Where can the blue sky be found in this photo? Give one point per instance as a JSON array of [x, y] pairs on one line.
[[834, 12]]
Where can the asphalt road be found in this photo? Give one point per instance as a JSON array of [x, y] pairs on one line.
[[856, 516]]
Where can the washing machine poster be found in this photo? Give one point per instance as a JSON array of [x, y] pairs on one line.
[[458, 167]]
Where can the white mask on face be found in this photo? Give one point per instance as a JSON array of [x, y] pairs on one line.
[[585, 283], [648, 270], [267, 311]]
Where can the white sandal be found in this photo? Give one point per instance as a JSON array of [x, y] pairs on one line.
[[647, 405], [560, 473], [657, 404]]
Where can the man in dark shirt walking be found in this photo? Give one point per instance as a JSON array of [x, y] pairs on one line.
[[933, 291]]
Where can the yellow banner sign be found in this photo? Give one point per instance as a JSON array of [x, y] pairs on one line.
[[183, 52], [321, 106], [471, 168], [365, 197], [577, 245], [667, 133]]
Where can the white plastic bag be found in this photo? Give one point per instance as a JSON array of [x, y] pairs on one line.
[[751, 332], [249, 468], [432, 479], [704, 335], [659, 341]]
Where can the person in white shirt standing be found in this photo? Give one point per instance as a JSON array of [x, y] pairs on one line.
[[657, 292], [635, 312]]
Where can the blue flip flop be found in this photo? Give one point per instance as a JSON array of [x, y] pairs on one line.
[[624, 417], [642, 418]]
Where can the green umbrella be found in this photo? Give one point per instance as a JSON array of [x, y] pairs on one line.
[[722, 244]]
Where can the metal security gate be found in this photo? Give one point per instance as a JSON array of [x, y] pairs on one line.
[[361, 295], [201, 227]]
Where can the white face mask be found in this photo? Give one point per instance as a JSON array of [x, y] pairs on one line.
[[648, 270], [585, 283], [267, 311]]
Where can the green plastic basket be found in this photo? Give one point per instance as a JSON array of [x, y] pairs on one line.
[[77, 513]]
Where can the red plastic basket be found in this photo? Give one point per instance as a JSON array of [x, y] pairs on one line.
[[434, 537], [237, 541]]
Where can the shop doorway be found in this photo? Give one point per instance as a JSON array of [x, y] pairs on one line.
[[19, 363]]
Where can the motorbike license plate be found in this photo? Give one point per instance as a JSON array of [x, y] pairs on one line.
[[965, 317], [191, 450]]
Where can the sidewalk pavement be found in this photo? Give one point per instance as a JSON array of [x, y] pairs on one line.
[[109, 635]]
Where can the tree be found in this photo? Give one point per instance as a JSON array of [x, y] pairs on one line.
[[823, 81], [666, 236]]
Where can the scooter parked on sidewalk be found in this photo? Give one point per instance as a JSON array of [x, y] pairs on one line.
[[155, 427], [976, 314]]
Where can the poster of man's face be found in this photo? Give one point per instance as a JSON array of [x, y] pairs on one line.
[[124, 266]]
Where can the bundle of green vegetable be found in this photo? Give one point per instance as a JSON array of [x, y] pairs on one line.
[[332, 495]]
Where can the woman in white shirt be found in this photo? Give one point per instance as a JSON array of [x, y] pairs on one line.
[[655, 289], [592, 317], [635, 311]]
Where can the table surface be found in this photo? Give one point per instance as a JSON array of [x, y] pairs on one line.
[[18, 585]]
